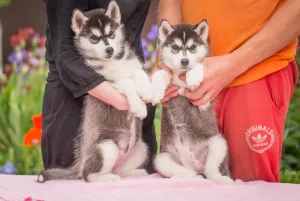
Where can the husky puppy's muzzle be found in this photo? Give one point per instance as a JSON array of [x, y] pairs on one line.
[[184, 64]]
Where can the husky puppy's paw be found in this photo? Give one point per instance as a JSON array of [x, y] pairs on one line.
[[144, 90], [160, 81], [103, 178], [195, 76], [158, 92], [41, 178], [186, 174], [139, 172], [200, 176], [183, 176], [223, 180], [158, 95], [139, 108], [134, 173], [204, 107]]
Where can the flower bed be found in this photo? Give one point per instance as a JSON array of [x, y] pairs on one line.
[[21, 97]]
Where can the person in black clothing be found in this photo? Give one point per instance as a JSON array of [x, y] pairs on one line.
[[69, 80]]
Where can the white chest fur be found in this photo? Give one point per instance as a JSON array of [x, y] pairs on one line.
[[177, 81], [118, 69]]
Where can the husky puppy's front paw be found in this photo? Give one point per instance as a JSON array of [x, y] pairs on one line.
[[160, 81], [222, 180], [139, 109], [158, 94], [183, 176], [195, 76], [134, 173], [103, 178], [145, 91]]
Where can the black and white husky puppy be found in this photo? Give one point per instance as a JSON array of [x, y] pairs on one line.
[[191, 144], [110, 144]]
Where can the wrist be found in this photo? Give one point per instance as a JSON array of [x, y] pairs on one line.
[[240, 62]]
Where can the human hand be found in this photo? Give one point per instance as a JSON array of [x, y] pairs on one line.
[[107, 93], [219, 72]]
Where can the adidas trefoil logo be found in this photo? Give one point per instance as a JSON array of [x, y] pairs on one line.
[[259, 139]]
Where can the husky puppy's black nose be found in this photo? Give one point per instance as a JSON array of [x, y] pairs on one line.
[[109, 50], [184, 62]]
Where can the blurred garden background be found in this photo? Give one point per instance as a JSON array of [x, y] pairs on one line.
[[23, 71]]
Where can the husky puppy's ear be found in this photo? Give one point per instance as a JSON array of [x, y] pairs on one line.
[[165, 29], [202, 30], [78, 21], [113, 12]]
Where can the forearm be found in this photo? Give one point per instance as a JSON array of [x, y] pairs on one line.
[[110, 95], [169, 10], [281, 29]]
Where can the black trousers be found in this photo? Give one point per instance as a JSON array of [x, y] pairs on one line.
[[61, 119]]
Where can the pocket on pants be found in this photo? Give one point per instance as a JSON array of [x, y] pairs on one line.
[[276, 89]]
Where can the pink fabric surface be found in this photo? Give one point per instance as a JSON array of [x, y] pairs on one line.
[[150, 188]]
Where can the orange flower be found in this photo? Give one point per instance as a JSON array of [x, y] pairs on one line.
[[37, 121], [34, 135]]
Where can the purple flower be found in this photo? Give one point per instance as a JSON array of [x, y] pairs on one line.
[[154, 28], [144, 43], [12, 58], [146, 54], [18, 56], [34, 61], [19, 68], [24, 55], [8, 168], [152, 35], [26, 77], [41, 52], [153, 55]]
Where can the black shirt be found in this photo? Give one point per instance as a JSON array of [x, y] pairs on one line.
[[60, 48], [69, 80]]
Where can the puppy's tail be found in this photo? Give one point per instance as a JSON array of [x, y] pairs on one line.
[[70, 173]]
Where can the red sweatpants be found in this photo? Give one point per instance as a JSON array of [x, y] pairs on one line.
[[252, 118]]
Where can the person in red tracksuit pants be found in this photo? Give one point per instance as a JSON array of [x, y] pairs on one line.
[[251, 73]]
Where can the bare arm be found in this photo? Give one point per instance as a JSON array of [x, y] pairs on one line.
[[107, 93], [169, 10], [281, 29]]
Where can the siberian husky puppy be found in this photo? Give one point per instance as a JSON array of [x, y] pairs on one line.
[[110, 144], [191, 144]]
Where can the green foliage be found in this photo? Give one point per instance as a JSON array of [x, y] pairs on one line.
[[290, 176], [157, 125], [19, 100], [290, 163], [4, 3], [291, 143]]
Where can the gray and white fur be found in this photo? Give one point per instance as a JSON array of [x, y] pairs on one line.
[[191, 144], [110, 144]]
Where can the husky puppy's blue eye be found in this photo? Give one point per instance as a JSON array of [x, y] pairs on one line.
[[111, 35], [94, 39], [193, 48], [175, 48]]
